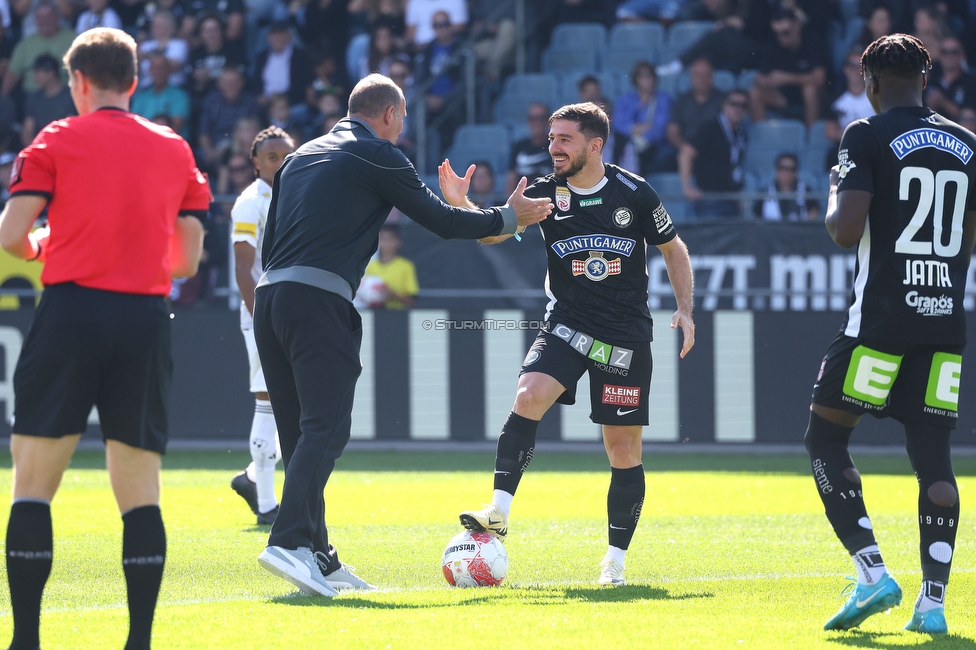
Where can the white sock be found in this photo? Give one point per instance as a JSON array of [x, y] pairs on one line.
[[503, 500], [264, 453], [617, 554], [930, 596], [869, 565]]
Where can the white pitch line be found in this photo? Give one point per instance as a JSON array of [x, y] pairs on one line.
[[520, 585]]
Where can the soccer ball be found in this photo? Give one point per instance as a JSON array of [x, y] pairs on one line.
[[474, 560]]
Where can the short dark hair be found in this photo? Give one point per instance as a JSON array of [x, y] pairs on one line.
[[270, 133], [106, 56], [393, 228], [587, 79], [901, 55], [642, 65], [787, 155], [484, 164], [373, 95], [591, 120]]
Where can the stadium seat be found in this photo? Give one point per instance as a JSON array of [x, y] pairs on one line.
[[746, 77], [682, 35], [510, 110], [844, 38], [790, 134], [649, 36], [723, 80], [622, 61], [556, 58], [761, 157], [569, 85], [581, 36], [478, 135], [669, 84], [668, 187], [814, 159], [538, 85], [817, 134], [461, 158]]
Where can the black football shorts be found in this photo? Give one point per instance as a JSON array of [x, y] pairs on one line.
[[620, 375], [90, 347], [917, 383]]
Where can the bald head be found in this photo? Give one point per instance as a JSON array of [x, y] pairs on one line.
[[373, 95]]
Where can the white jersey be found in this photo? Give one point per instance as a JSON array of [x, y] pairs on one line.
[[250, 215]]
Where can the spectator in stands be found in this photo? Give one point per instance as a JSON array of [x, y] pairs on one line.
[[696, 107], [282, 68], [162, 98], [400, 74], [792, 73], [482, 190], [280, 115], [26, 10], [421, 16], [163, 31], [852, 105], [950, 87], [323, 25], [729, 45], [50, 38], [137, 16], [327, 79], [6, 50], [51, 101], [98, 14], [930, 29], [209, 57], [235, 176], [222, 109], [714, 158], [496, 35], [399, 287], [639, 122], [232, 12], [590, 90], [967, 118], [438, 61], [367, 14], [585, 11], [382, 51], [796, 206], [530, 157], [879, 23], [664, 11]]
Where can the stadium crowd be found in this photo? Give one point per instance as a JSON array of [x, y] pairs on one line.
[[706, 96]]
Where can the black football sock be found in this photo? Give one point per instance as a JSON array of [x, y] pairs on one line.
[[30, 543], [938, 508], [514, 453], [838, 483], [143, 557], [625, 498]]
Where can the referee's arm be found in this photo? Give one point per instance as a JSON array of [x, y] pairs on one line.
[[186, 246], [16, 220]]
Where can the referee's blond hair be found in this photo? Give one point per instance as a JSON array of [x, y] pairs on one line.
[[106, 56]]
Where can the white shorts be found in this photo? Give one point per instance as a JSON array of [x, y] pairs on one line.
[[257, 384]]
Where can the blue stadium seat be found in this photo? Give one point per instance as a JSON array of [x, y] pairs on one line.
[[790, 134], [649, 37], [722, 79], [814, 159], [682, 35], [817, 134], [489, 136], [541, 85], [510, 110], [569, 85], [622, 60], [556, 58], [668, 187], [461, 158], [582, 36], [746, 77]]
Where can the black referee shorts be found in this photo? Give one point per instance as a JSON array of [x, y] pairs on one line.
[[620, 374], [92, 347]]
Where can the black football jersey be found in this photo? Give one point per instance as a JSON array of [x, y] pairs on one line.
[[912, 260], [596, 246]]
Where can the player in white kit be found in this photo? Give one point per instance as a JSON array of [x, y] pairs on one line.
[[250, 213]]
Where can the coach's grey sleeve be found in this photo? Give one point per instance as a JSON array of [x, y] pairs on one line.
[[510, 220]]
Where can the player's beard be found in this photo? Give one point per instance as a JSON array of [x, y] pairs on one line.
[[576, 165]]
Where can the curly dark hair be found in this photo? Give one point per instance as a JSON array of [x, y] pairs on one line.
[[270, 133], [901, 55]]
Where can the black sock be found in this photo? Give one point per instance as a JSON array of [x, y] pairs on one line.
[[30, 543], [143, 556], [938, 498], [838, 482], [514, 453], [624, 502]]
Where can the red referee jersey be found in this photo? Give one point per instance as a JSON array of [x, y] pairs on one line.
[[115, 184]]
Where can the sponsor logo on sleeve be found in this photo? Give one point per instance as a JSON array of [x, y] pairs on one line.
[[626, 181], [844, 163], [246, 229], [662, 220]]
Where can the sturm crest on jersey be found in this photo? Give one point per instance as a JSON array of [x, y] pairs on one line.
[[622, 217]]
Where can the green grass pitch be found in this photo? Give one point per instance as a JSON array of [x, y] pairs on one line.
[[731, 552]]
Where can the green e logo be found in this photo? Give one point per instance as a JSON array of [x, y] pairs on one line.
[[871, 375]]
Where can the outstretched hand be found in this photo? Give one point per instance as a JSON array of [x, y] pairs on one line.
[[454, 187], [684, 320], [528, 211]]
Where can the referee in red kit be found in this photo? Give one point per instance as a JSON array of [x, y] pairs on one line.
[[124, 200]]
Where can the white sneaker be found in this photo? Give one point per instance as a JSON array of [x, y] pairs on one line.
[[342, 578], [299, 567], [489, 520], [611, 573]]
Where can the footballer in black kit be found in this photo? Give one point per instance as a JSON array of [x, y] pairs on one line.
[[904, 191], [597, 320]]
